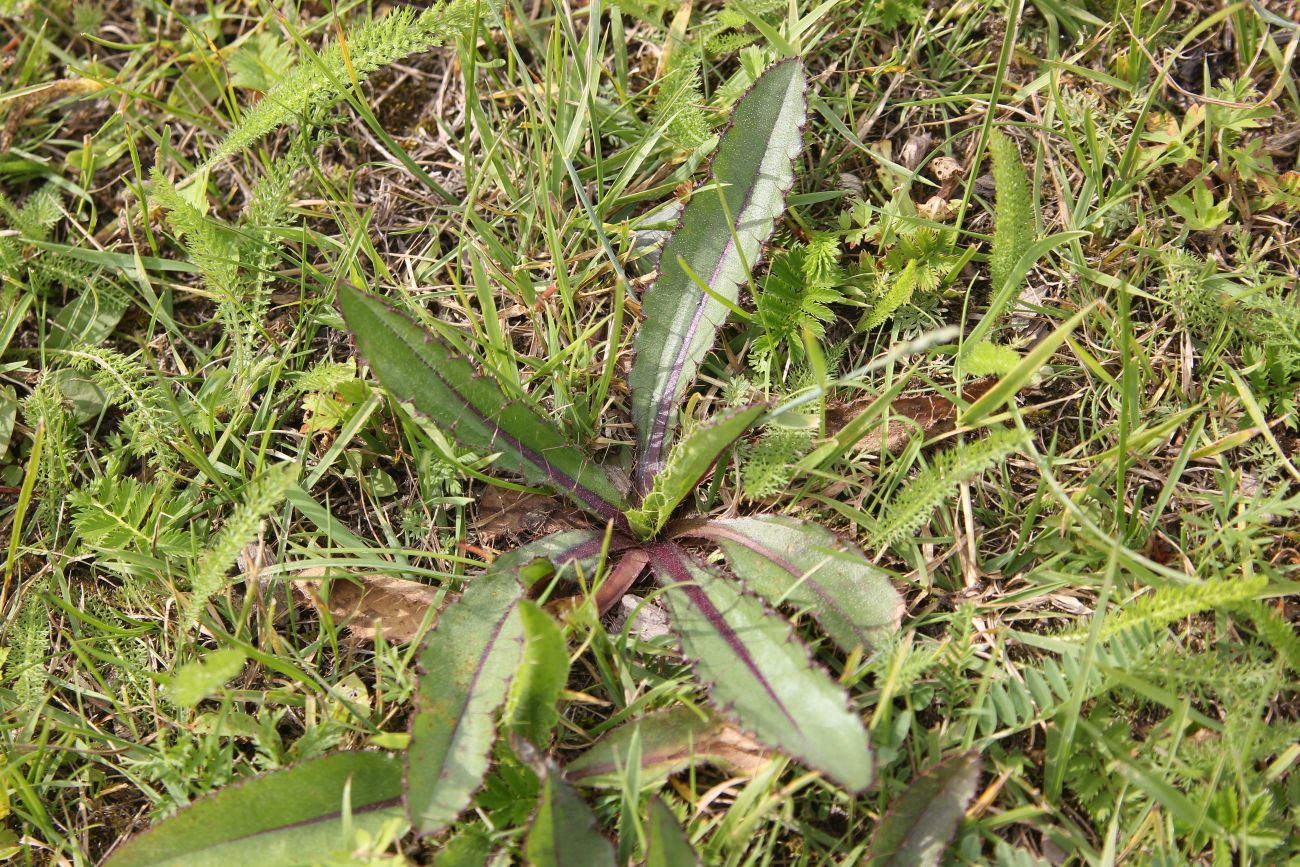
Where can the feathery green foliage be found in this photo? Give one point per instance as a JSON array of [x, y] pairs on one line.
[[235, 262], [769, 464], [989, 359], [148, 425], [1276, 631], [322, 78], [908, 511], [1013, 225], [27, 642], [796, 296], [1166, 605], [116, 514], [240, 529], [678, 101]]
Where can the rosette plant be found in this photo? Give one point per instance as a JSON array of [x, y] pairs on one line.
[[756, 670], [746, 654]]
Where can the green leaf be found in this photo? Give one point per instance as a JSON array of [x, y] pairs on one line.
[[565, 832], [197, 680], [281, 819], [908, 511], [466, 665], [921, 822], [666, 742], [790, 562], [8, 414], [89, 319], [541, 678], [418, 367], [666, 844], [689, 462], [1013, 225], [719, 240], [469, 848], [759, 673]]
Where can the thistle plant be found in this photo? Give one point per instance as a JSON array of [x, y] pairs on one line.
[[486, 657]]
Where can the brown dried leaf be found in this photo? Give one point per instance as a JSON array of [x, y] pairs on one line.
[[945, 167], [370, 604], [914, 150], [928, 414], [519, 516]]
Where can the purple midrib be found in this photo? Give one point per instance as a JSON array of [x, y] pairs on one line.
[[659, 429], [799, 574], [577, 552], [671, 559], [474, 679], [561, 479]]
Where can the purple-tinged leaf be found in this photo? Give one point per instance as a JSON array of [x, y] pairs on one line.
[[620, 579], [668, 742], [920, 823], [791, 562], [466, 664], [757, 671], [418, 367], [718, 241], [276, 818]]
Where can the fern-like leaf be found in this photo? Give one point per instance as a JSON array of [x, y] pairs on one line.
[[1013, 231], [241, 528], [123, 513], [911, 509], [28, 641], [790, 300], [319, 80], [1167, 605]]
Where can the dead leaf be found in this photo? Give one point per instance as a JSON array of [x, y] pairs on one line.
[[936, 209], [370, 604], [649, 619], [945, 167], [928, 414], [914, 150], [520, 515]]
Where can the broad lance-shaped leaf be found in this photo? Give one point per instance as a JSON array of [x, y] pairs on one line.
[[418, 367], [541, 678], [720, 238], [689, 462], [666, 843], [790, 562], [758, 672], [565, 832], [285, 818], [921, 822], [466, 665]]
